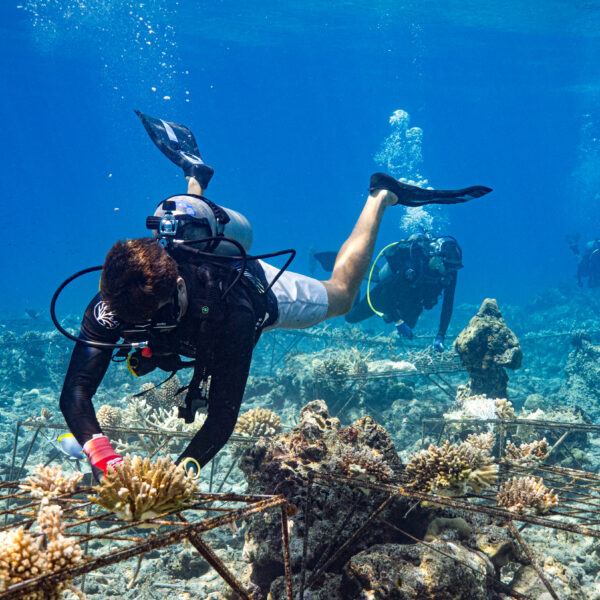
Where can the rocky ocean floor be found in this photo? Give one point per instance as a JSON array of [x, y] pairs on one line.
[[334, 388]]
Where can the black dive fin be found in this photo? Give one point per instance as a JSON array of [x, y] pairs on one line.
[[412, 195], [326, 260], [178, 144]]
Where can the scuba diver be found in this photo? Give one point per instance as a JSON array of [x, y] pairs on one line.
[[193, 291], [588, 263], [418, 270]]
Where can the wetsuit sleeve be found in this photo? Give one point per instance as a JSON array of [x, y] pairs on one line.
[[86, 370], [229, 373], [447, 306]]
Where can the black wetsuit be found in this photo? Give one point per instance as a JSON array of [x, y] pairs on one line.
[[589, 265], [238, 321], [411, 287]]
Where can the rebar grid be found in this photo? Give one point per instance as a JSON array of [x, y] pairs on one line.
[[170, 527]]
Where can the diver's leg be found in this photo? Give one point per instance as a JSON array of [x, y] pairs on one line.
[[194, 187], [355, 255]]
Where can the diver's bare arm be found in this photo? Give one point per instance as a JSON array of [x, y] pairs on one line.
[[355, 255]]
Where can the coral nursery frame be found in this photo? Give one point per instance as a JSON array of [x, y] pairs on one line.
[[83, 519]]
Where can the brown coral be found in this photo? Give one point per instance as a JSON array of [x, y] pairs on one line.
[[49, 482], [365, 463], [25, 555], [166, 396], [483, 441], [526, 494], [451, 469], [139, 489], [504, 409], [534, 452], [109, 416], [258, 422]]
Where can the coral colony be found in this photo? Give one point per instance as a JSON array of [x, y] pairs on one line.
[[374, 451]]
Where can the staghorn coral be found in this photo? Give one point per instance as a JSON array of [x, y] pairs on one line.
[[504, 409], [364, 463], [25, 555], [258, 422], [526, 494], [139, 489], [451, 469], [109, 416], [531, 453], [483, 441], [50, 482]]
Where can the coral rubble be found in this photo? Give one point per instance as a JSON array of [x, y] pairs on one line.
[[526, 494], [487, 347], [139, 489]]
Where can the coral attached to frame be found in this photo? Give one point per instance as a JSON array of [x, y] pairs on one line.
[[453, 469], [139, 489], [526, 494], [527, 454], [26, 555], [49, 482]]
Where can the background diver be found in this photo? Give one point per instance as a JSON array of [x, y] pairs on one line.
[[418, 270], [588, 263], [206, 301]]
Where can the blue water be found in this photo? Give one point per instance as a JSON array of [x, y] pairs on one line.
[[290, 103]]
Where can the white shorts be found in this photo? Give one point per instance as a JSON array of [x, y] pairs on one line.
[[302, 301]]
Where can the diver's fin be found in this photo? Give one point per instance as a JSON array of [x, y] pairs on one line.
[[326, 260], [178, 144], [412, 195]]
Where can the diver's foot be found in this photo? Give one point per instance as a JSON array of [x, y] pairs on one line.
[[383, 183], [386, 197]]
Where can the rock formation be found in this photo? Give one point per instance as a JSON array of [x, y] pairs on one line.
[[487, 347]]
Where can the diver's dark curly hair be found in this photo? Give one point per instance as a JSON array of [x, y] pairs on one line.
[[136, 277]]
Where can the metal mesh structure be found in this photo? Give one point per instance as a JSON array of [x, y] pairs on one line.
[[85, 523]]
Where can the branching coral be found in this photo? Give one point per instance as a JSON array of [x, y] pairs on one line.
[[258, 422], [526, 494], [366, 463], [534, 452], [139, 489], [25, 555], [504, 409], [49, 482], [451, 469], [483, 441], [109, 416]]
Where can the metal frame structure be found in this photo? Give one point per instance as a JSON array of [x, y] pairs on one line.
[[175, 526], [38, 426]]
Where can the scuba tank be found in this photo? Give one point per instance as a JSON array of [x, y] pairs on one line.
[[192, 218]]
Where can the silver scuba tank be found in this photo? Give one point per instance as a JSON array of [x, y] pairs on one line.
[[196, 220]]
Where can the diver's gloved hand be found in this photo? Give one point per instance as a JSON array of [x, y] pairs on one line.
[[404, 330], [438, 344], [101, 455]]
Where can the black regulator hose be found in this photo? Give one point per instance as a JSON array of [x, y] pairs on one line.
[[91, 343]]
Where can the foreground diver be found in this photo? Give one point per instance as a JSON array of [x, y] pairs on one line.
[[205, 305], [588, 263], [417, 272]]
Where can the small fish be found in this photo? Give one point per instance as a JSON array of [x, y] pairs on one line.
[[70, 446]]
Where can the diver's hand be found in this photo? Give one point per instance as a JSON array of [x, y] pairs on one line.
[[404, 330], [101, 455], [438, 344]]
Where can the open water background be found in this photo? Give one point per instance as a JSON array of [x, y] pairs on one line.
[[290, 102]]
